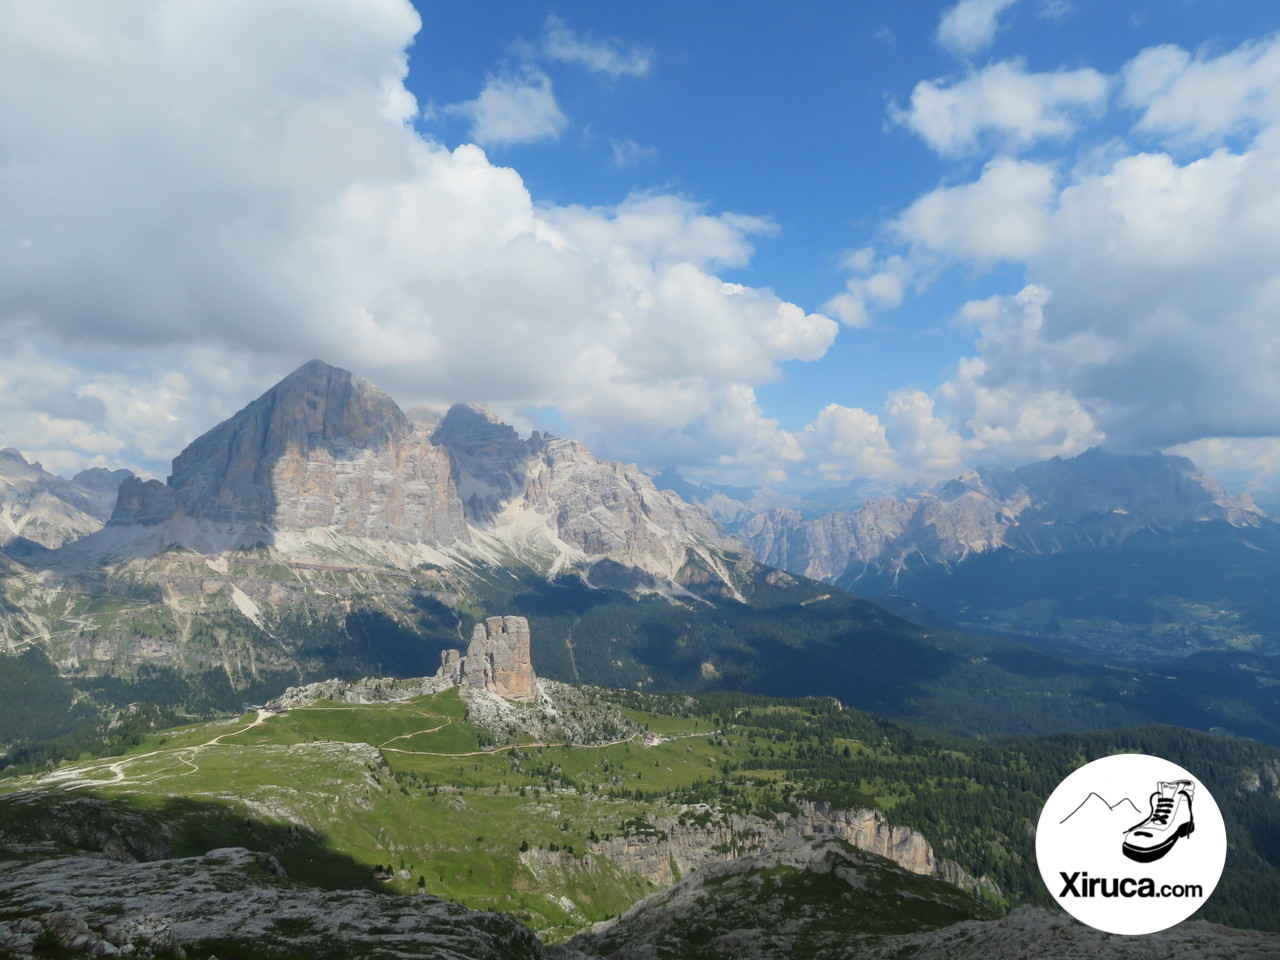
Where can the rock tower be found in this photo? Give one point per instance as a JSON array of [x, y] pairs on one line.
[[497, 659]]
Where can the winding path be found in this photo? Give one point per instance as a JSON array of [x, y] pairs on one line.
[[72, 777]]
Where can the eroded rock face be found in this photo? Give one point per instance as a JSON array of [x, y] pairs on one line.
[[231, 473], [823, 901], [143, 502], [689, 846], [814, 898], [323, 448], [1033, 933], [596, 508], [497, 660], [868, 830]]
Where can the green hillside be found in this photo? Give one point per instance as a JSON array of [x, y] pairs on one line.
[[796, 637], [415, 795], [120, 640]]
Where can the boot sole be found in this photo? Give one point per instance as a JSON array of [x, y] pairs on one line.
[[1148, 854]]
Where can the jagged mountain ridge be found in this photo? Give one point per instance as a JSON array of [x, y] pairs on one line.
[[42, 509], [321, 530], [1093, 500], [325, 452], [1137, 554]]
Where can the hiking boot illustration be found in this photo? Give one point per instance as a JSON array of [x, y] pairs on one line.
[[1170, 819]]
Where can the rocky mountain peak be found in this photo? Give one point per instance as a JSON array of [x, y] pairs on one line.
[[318, 405], [471, 425], [477, 438], [317, 412], [1152, 488], [328, 454], [490, 462], [993, 482]]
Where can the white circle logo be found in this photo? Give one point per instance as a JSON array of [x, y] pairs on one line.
[[1131, 844]]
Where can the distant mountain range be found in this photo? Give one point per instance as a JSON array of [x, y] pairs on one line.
[[1143, 554], [1092, 501], [39, 509], [322, 531]]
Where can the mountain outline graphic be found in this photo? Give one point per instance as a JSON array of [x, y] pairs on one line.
[[1111, 807]]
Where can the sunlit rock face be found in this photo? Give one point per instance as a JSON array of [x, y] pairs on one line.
[[326, 454], [497, 660], [322, 448]]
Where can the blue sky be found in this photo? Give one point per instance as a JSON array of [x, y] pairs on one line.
[[761, 242]]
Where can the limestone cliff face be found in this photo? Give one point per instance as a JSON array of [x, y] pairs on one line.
[[143, 502], [868, 830], [556, 489], [258, 465], [323, 448], [497, 660], [605, 508], [489, 463], [689, 846]]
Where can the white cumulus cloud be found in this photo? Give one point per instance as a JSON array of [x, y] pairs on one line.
[[1003, 215], [1151, 316], [1004, 104], [517, 108], [563, 44], [847, 442], [1152, 280], [1202, 98], [970, 26], [189, 195]]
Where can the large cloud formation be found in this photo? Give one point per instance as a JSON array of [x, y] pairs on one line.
[[200, 195], [1152, 274]]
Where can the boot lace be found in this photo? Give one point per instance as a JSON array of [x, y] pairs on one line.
[[1164, 807]]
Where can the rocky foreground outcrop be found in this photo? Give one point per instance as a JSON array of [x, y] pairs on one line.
[[230, 901], [1033, 933], [810, 898], [820, 899], [699, 838]]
